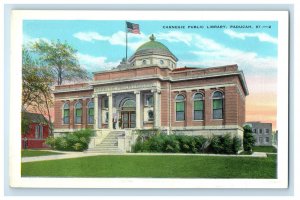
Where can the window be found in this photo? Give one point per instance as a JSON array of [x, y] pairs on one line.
[[39, 131], [78, 113], [198, 106], [66, 113], [105, 102], [149, 100], [150, 115], [180, 107], [161, 62], [267, 139], [260, 131], [254, 130], [260, 140], [218, 105], [144, 62], [90, 112], [267, 130], [106, 117]]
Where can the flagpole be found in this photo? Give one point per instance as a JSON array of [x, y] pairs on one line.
[[126, 39]]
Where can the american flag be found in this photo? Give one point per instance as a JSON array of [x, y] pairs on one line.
[[133, 28]]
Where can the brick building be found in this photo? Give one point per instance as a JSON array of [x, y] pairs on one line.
[[149, 91], [37, 132]]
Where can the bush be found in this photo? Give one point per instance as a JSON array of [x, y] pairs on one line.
[[249, 140], [76, 141], [236, 144], [223, 144]]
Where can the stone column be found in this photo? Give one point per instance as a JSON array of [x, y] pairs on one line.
[[110, 111], [96, 112], [157, 117], [138, 108]]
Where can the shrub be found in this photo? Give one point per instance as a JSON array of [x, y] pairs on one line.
[[248, 141], [156, 143], [76, 141], [200, 142], [236, 144], [215, 145], [224, 144], [171, 145]]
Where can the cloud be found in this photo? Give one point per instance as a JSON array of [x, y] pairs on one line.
[[94, 63], [89, 36], [210, 53], [175, 36], [117, 38], [263, 37], [207, 51]]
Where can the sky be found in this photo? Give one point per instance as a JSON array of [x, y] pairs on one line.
[[252, 45]]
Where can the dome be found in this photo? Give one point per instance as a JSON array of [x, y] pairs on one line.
[[153, 47]]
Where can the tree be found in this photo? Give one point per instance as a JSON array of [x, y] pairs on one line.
[[36, 93], [248, 140], [60, 59]]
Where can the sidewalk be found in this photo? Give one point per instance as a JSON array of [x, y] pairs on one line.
[[67, 155]]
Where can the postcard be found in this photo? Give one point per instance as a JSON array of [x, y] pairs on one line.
[[149, 99]]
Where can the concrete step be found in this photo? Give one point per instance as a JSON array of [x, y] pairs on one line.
[[109, 143]]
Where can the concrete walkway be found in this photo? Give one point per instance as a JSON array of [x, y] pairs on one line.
[[67, 155]]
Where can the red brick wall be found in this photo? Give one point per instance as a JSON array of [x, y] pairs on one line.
[[130, 73], [231, 105], [165, 103]]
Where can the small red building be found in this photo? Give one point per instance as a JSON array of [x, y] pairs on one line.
[[37, 133]]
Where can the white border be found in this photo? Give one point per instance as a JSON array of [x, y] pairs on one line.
[[15, 96]]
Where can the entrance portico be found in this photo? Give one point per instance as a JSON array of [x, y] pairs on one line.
[[127, 110]]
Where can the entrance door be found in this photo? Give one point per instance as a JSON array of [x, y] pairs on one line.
[[128, 119]]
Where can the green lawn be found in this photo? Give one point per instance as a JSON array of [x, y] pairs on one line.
[[32, 153], [267, 149], [155, 166]]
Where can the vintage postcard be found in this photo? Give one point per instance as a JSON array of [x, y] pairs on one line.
[[149, 99]]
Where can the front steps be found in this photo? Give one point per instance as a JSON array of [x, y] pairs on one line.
[[109, 144]]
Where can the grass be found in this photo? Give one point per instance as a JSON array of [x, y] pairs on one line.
[[32, 153], [267, 149], [155, 166]]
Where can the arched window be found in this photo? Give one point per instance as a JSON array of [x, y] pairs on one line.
[[218, 101], [180, 107], [90, 108], [144, 62], [66, 113], [78, 113], [198, 106]]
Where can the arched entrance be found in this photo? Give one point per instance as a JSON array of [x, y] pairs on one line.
[[128, 117]]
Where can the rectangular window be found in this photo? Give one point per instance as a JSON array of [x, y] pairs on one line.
[[106, 117], [38, 131], [198, 110], [267, 139], [180, 111], [260, 140], [66, 116], [105, 103], [254, 130], [260, 131], [78, 114], [149, 100], [267, 130], [218, 108]]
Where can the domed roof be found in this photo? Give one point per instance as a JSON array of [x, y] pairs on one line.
[[153, 47]]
